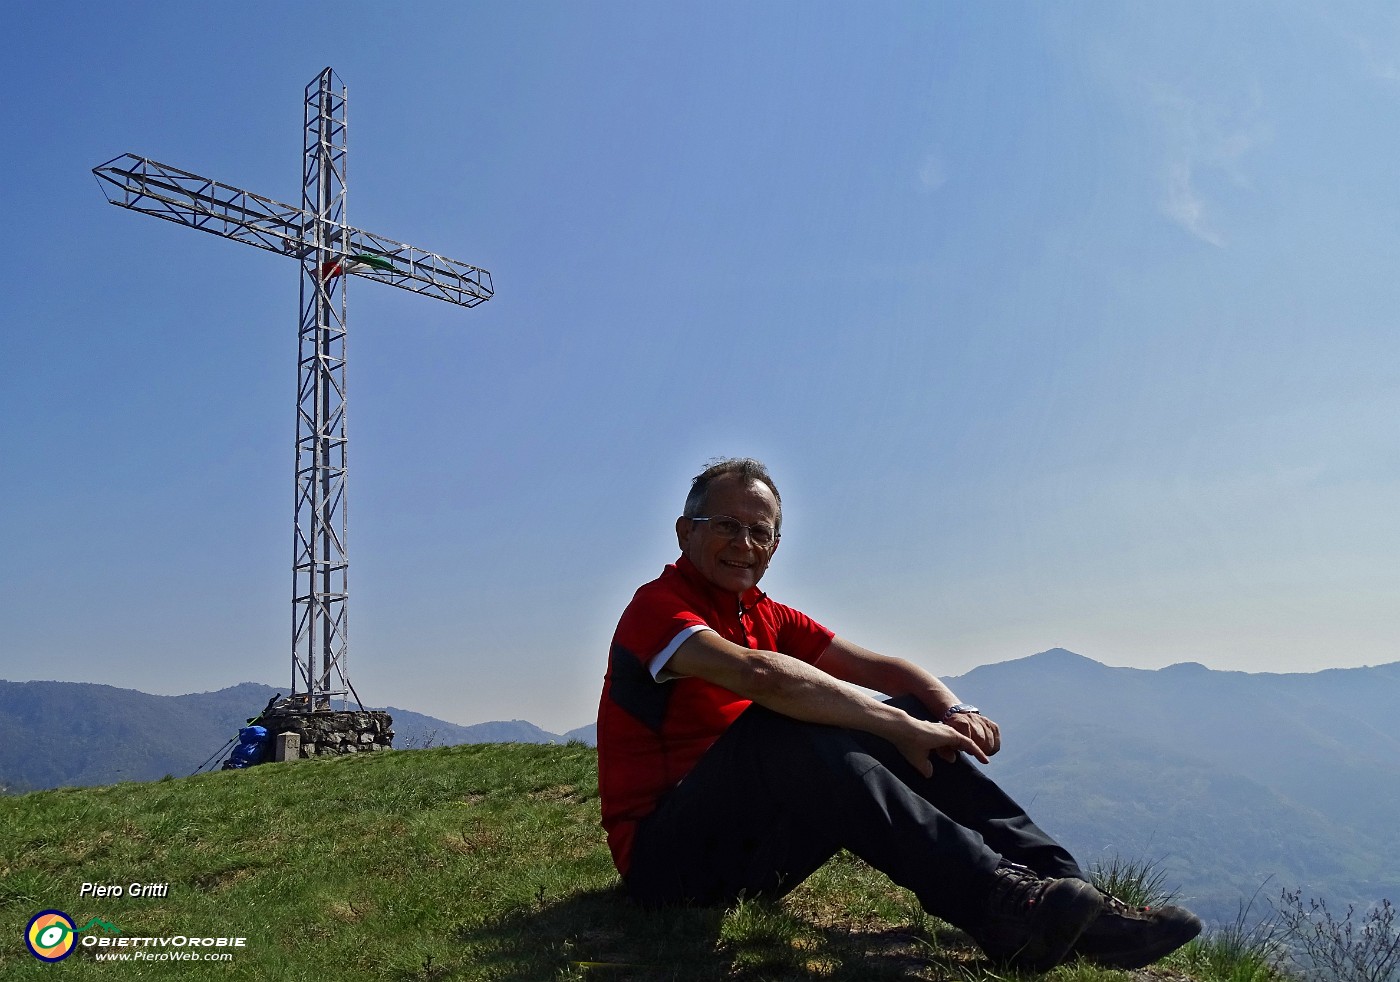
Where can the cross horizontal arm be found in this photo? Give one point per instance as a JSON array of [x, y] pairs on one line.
[[179, 196], [197, 202]]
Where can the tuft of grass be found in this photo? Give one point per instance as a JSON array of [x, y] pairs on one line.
[[1246, 950], [1249, 949], [1136, 882], [1224, 956], [766, 938]]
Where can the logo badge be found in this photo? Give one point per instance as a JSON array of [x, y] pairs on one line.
[[50, 936]]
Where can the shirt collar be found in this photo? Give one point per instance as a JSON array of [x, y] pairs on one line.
[[693, 576]]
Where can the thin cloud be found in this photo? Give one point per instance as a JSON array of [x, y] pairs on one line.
[[1183, 204], [1373, 34], [1204, 140], [933, 173]]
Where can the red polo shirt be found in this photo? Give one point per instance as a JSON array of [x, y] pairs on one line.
[[650, 732]]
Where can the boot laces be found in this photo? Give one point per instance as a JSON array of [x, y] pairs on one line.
[[1116, 906], [1017, 890]]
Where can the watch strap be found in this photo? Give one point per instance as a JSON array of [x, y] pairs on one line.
[[958, 708]]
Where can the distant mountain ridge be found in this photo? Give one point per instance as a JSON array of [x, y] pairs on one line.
[[416, 730], [1231, 780], [66, 734], [55, 734]]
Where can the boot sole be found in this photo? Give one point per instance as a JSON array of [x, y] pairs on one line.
[[1140, 957]]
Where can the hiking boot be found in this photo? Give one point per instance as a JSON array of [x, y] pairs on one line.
[[1131, 937], [1031, 923]]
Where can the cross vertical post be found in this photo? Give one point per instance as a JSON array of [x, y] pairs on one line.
[[320, 563]]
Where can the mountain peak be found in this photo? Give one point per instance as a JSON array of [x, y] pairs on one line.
[[1060, 659], [1061, 653], [1054, 666], [1186, 667]]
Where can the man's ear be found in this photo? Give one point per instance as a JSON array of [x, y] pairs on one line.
[[684, 527]]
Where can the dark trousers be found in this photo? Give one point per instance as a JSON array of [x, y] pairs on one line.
[[775, 798]]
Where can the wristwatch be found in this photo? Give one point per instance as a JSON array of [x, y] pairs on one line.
[[961, 707]]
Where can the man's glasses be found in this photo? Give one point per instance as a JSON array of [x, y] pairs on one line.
[[760, 533]]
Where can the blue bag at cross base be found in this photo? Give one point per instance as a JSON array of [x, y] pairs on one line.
[[251, 749]]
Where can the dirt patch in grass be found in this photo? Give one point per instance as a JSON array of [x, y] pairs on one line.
[[216, 881], [559, 792]]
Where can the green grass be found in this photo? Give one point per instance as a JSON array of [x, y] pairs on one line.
[[1239, 952], [471, 862], [1136, 882]]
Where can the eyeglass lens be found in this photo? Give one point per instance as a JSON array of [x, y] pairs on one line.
[[761, 533]]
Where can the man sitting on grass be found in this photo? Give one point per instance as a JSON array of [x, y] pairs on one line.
[[736, 756]]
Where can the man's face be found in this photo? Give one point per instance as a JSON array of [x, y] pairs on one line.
[[731, 564]]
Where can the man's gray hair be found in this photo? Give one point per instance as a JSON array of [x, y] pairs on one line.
[[746, 468]]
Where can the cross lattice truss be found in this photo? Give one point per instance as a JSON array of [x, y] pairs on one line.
[[153, 188], [330, 251]]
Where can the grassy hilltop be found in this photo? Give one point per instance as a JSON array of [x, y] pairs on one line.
[[466, 862]]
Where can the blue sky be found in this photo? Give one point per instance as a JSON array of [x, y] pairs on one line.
[[1059, 325]]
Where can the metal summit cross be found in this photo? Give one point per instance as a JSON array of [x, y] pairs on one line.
[[329, 251]]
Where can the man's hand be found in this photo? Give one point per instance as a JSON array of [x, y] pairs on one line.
[[979, 729], [918, 739], [896, 677]]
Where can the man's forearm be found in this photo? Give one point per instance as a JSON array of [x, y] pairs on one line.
[[800, 691], [796, 689], [892, 676], [804, 692]]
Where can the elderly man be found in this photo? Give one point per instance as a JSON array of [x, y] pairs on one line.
[[736, 755]]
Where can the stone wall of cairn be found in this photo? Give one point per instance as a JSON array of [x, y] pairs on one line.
[[329, 732]]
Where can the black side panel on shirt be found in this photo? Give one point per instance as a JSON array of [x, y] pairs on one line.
[[633, 689]]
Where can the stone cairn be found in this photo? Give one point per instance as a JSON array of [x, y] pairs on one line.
[[293, 731]]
